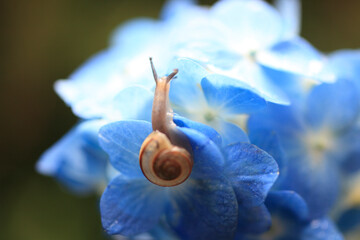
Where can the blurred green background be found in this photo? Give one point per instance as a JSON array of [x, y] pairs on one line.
[[43, 41]]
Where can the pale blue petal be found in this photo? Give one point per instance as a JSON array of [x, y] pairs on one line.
[[122, 142], [95, 67], [185, 90], [335, 106], [208, 131], [283, 121], [249, 73], [192, 31], [252, 24], [321, 229], [203, 209], [90, 90], [296, 87], [252, 172], [316, 181], [135, 34], [76, 160], [296, 56], [131, 206], [80, 91], [230, 96], [231, 133], [345, 64], [132, 103], [175, 7], [208, 159], [256, 77], [290, 10]]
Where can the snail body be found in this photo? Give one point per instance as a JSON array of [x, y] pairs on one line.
[[165, 155]]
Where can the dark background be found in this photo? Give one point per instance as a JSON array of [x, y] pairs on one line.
[[45, 40]]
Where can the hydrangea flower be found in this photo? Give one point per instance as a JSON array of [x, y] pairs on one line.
[[345, 64], [290, 220], [216, 200], [211, 39], [311, 143], [76, 160], [235, 59], [242, 44], [211, 99]]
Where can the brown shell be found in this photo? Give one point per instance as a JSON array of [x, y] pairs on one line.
[[162, 163]]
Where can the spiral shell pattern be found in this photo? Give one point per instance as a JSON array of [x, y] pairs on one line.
[[162, 163]]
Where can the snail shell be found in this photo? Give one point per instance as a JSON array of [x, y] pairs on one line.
[[163, 163], [165, 155]]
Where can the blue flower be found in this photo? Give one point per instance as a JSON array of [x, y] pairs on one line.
[[76, 160], [213, 99], [229, 39], [241, 45], [311, 143], [290, 220], [218, 198]]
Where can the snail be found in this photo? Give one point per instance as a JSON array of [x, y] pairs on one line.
[[165, 155]]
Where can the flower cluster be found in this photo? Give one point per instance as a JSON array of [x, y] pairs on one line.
[[269, 125]]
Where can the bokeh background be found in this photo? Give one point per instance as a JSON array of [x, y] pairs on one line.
[[45, 40]]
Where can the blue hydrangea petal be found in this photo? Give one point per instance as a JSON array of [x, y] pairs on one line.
[[135, 34], [268, 140], [332, 105], [90, 90], [131, 206], [253, 25], [203, 209], [231, 133], [290, 10], [345, 64], [316, 182], [208, 159], [208, 131], [246, 70], [185, 90], [296, 56], [230, 96], [84, 83], [320, 229], [288, 203], [77, 160], [122, 142], [253, 220], [252, 172], [132, 103], [313, 178], [256, 77], [284, 121], [175, 7]]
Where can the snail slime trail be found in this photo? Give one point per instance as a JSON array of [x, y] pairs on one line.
[[165, 155]]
